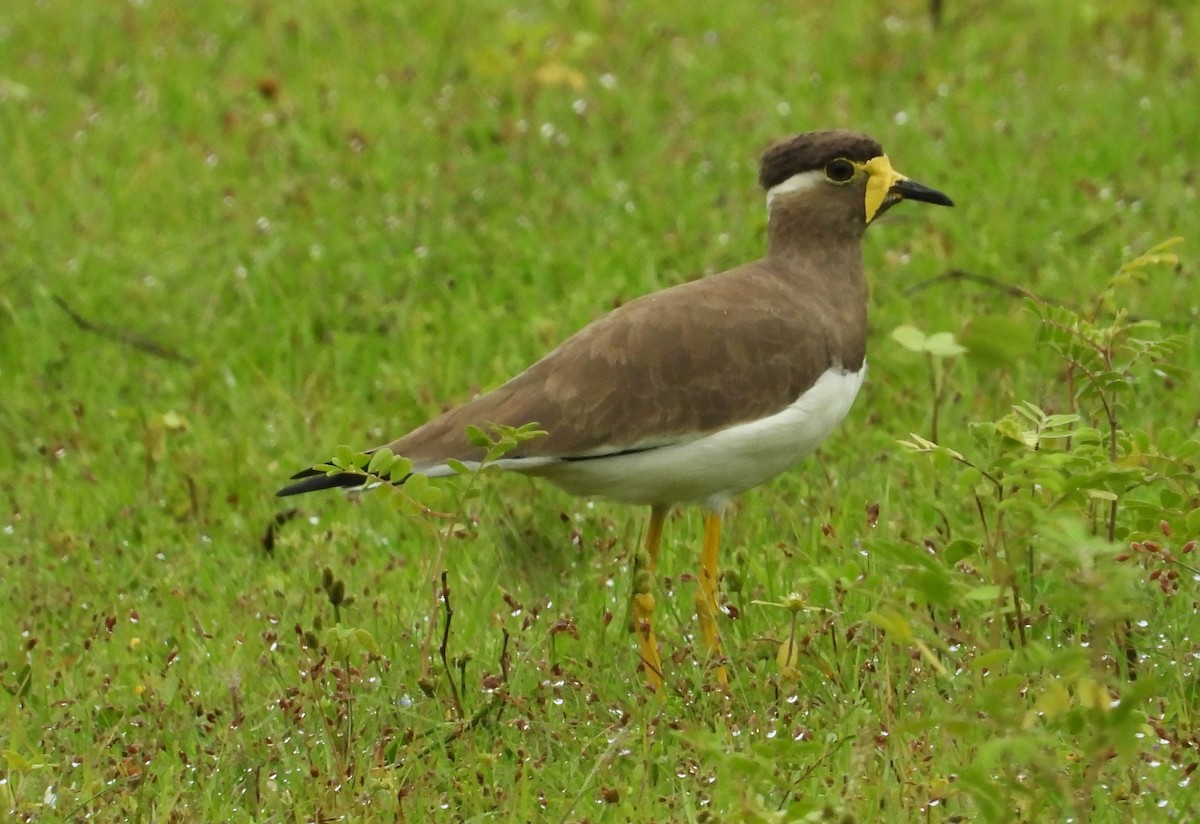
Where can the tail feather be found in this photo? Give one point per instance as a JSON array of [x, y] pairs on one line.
[[314, 480]]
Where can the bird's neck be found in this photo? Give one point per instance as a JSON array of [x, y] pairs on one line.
[[825, 263], [818, 249], [804, 224]]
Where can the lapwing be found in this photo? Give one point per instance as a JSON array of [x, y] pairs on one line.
[[697, 392]]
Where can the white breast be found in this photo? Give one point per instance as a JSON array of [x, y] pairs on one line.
[[713, 468]]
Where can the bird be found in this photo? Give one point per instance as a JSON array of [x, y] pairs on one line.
[[700, 391]]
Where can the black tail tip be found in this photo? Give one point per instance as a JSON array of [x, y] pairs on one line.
[[313, 480]]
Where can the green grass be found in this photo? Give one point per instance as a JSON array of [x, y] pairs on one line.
[[335, 218]]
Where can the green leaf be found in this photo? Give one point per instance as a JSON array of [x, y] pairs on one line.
[[992, 659], [430, 496], [910, 337], [415, 486], [939, 344], [367, 641], [959, 549], [529, 431], [381, 462], [401, 469], [1155, 256], [1193, 521], [1030, 411], [19, 763], [970, 477], [174, 422], [987, 592], [1059, 421], [1186, 449], [1054, 700], [1013, 431], [943, 345], [1168, 438], [338, 640], [893, 623], [500, 447]]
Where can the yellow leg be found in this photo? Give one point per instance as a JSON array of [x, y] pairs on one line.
[[642, 603], [706, 592]]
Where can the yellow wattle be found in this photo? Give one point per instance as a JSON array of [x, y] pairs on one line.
[[881, 178]]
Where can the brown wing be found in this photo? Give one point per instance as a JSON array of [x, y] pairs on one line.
[[669, 366]]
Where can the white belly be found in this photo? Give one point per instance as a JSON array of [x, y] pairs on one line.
[[711, 469]]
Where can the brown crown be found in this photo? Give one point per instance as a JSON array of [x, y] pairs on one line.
[[812, 150]]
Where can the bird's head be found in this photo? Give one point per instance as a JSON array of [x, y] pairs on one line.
[[836, 176]]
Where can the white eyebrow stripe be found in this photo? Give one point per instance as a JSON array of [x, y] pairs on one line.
[[800, 182]]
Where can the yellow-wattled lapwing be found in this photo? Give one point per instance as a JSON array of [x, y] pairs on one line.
[[698, 392]]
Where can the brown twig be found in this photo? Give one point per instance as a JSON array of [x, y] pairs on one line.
[[958, 275], [1011, 290], [504, 656], [122, 337], [458, 709]]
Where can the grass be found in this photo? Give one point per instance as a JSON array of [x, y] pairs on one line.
[[286, 227]]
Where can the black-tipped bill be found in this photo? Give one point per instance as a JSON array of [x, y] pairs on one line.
[[911, 190]]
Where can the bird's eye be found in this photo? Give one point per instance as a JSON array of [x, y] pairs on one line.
[[840, 170]]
